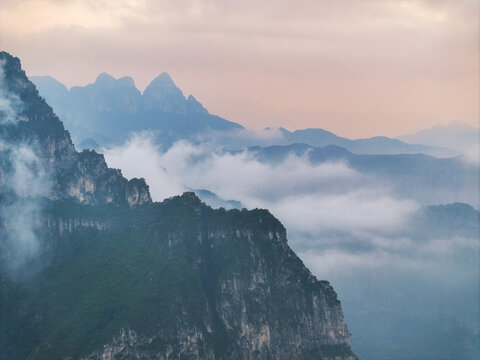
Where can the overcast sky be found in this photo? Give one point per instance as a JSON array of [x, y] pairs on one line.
[[356, 67]]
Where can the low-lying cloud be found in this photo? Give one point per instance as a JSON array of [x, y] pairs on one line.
[[347, 226], [333, 213], [23, 180], [324, 204]]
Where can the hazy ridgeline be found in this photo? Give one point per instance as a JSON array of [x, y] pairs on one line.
[[406, 272], [382, 228], [120, 276]]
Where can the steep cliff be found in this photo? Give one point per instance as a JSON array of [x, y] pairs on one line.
[[170, 280], [26, 120], [108, 274]]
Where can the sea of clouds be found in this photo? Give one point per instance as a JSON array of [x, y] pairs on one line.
[[336, 217], [347, 227]]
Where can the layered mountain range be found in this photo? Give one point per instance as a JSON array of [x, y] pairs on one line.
[[456, 135], [91, 268], [426, 179], [83, 176], [109, 110], [96, 224]]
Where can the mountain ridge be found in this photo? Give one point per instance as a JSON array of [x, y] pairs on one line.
[[109, 109], [85, 175], [457, 135], [422, 177], [119, 276], [170, 113]]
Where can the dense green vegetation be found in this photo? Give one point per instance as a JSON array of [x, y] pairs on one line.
[[176, 279], [152, 268]]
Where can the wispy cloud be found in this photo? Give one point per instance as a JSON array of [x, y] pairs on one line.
[[24, 178], [336, 217], [311, 200]]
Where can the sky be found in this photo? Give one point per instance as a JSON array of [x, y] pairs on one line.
[[357, 68]]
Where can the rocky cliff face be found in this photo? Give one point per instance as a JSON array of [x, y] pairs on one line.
[[171, 280], [27, 120], [115, 276]]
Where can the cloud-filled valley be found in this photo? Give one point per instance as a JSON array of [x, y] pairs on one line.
[[211, 179], [330, 195], [390, 230], [328, 208], [381, 251]]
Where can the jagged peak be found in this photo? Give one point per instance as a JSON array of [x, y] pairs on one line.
[[163, 80], [162, 94], [104, 78]]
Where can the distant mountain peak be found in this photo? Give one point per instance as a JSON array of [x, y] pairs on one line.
[[105, 78], [457, 135], [162, 94], [163, 80]]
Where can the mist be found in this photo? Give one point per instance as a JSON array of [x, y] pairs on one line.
[[323, 206], [24, 180], [348, 227]]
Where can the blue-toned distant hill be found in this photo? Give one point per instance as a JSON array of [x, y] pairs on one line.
[[373, 145], [107, 111], [424, 178], [91, 268], [456, 135], [182, 280]]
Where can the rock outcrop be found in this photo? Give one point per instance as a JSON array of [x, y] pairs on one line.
[[116, 276], [83, 176], [171, 280]]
